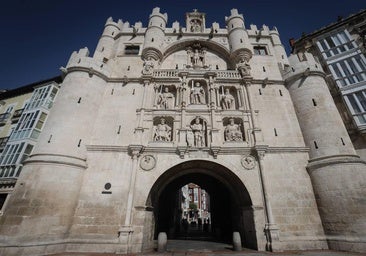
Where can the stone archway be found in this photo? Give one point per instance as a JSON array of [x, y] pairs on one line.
[[231, 205]]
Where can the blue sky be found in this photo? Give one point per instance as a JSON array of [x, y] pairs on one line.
[[38, 36]]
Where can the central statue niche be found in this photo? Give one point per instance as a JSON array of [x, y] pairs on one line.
[[198, 92], [197, 134], [196, 57]]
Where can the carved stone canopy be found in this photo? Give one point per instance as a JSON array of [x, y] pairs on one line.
[[195, 21]]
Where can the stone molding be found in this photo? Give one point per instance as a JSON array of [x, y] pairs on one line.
[[316, 163], [57, 159]]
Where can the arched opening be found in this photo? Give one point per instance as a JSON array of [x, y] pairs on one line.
[[230, 206]]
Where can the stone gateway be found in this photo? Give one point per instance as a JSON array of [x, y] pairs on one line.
[[220, 107]]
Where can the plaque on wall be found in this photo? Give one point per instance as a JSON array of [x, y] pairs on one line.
[[248, 162], [147, 162]]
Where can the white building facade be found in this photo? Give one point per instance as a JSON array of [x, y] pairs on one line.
[[159, 107]]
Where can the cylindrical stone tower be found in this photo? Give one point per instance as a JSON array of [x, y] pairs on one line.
[[154, 35], [337, 173], [48, 187], [280, 51], [240, 47], [106, 42]]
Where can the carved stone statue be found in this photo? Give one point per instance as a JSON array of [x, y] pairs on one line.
[[162, 131], [195, 25], [233, 131], [166, 99], [148, 66], [196, 57], [198, 94], [198, 130], [227, 100], [244, 68]]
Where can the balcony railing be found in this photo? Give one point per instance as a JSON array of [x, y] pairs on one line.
[[16, 115], [4, 118], [172, 73]]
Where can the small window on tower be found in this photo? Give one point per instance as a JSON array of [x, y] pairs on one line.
[[132, 49], [260, 50]]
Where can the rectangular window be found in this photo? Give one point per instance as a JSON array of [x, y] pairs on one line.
[[26, 124], [352, 101], [132, 49], [361, 98], [260, 50]]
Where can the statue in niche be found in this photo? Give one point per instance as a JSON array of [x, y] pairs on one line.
[[148, 66], [166, 99], [227, 100], [196, 57], [233, 131], [197, 94], [243, 68], [195, 25], [198, 129], [162, 131]]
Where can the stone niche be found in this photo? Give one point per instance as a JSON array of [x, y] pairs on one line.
[[233, 130], [198, 92], [163, 130], [195, 22], [228, 98], [165, 96]]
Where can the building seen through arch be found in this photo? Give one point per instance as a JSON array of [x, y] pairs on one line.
[[160, 110]]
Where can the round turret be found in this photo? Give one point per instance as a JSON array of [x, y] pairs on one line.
[[335, 170], [241, 48], [278, 47], [106, 42], [321, 124], [154, 35]]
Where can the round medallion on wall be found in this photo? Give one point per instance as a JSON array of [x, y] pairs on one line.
[[147, 162], [248, 162]]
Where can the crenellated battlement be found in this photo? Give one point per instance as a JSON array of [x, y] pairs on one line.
[[302, 64], [80, 60]]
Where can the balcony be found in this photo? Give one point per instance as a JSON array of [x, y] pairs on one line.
[[16, 115], [4, 118], [220, 74]]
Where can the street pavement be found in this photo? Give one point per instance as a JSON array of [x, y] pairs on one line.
[[205, 248]]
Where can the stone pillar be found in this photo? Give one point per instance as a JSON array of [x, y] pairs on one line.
[[240, 98], [126, 230], [256, 131], [271, 230], [184, 96]]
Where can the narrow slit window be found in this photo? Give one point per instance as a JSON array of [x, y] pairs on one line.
[[316, 145], [314, 102]]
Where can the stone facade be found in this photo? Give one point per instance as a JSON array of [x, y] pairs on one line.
[[158, 107]]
